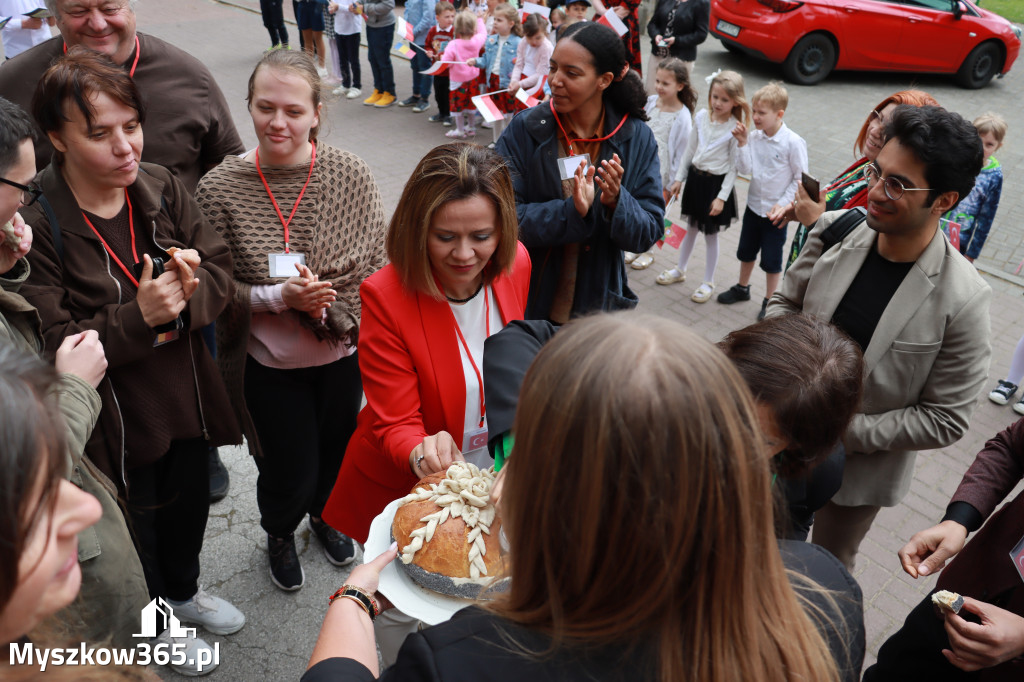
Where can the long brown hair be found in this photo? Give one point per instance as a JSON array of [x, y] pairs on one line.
[[629, 525]]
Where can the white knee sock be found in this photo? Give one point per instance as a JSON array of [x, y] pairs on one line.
[[686, 247], [711, 261], [1017, 364]]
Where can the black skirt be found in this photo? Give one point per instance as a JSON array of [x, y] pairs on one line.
[[700, 190]]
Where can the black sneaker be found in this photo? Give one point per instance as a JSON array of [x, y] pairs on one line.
[[734, 294], [409, 101], [1002, 393], [219, 479], [764, 309], [435, 118], [285, 569], [337, 547]]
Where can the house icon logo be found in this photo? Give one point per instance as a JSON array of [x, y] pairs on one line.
[[158, 616]]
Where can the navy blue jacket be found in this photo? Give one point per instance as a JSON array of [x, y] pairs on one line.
[[547, 222]]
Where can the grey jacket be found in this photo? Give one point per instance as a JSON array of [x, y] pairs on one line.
[[379, 14], [924, 367]]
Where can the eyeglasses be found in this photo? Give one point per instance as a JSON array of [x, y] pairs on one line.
[[894, 189], [29, 194]]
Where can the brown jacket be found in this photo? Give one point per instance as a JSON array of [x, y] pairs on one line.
[[74, 290]]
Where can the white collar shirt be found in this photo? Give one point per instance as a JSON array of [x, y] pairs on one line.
[[777, 163]]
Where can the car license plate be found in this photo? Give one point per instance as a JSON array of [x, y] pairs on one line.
[[728, 29]]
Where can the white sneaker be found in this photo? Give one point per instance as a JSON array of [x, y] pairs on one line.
[[354, 93], [340, 90], [322, 71], [195, 661], [213, 613]]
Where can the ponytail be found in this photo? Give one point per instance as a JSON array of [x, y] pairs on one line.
[[626, 94]]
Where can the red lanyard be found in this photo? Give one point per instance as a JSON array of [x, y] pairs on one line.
[[138, 51], [582, 139], [286, 223], [465, 346], [131, 228]]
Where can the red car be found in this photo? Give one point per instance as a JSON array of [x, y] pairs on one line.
[[812, 37]]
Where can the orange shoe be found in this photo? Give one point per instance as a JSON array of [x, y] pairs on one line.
[[386, 100], [372, 99]]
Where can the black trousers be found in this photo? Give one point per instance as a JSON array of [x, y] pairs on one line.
[[304, 419], [273, 19], [168, 504], [441, 95]]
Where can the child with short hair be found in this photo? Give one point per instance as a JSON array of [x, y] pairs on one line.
[[347, 27], [533, 56], [670, 117], [778, 158], [470, 34], [438, 38], [556, 18], [577, 10], [713, 158], [977, 210], [419, 14], [380, 34], [499, 58]]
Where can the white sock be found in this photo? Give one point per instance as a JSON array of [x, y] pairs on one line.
[[1017, 364], [686, 247], [711, 261]]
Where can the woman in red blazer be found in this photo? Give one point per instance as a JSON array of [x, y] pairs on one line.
[[457, 275]]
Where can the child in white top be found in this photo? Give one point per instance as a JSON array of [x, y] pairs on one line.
[[778, 159], [533, 56], [670, 114], [347, 27], [716, 150]]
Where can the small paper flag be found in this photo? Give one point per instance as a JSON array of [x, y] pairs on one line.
[[524, 96], [404, 30], [534, 8], [952, 232], [4, 21], [673, 235], [404, 50], [40, 13], [612, 21], [487, 108], [436, 69]]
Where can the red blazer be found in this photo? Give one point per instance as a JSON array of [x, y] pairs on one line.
[[412, 376]]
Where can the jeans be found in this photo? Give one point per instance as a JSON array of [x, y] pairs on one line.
[[273, 19], [420, 84], [348, 59], [378, 43]]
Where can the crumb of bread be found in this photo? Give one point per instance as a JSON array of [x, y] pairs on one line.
[[951, 601]]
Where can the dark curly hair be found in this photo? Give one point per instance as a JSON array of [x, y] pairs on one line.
[[625, 94], [945, 142]]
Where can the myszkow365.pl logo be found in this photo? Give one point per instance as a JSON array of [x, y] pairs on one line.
[[157, 616]]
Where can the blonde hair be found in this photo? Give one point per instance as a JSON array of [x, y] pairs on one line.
[[991, 122], [297, 62], [773, 95], [509, 12], [557, 13], [465, 24], [450, 172], [684, 505], [732, 83]]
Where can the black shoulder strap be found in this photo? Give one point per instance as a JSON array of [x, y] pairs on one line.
[[51, 217], [842, 226]]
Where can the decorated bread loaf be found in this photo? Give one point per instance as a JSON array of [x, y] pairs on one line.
[[447, 531]]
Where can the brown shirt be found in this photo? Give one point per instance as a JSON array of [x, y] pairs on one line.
[[188, 126]]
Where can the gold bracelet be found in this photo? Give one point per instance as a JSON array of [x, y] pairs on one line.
[[360, 595], [352, 597]]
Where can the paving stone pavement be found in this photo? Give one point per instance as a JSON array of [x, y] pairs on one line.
[[278, 638]]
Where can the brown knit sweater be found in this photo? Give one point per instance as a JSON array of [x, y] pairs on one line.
[[339, 226]]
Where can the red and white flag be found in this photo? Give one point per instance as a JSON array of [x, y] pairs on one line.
[[534, 8], [437, 68], [612, 21], [524, 96], [404, 30], [487, 108]]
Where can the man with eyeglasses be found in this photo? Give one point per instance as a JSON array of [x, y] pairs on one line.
[[113, 585], [916, 307], [189, 128]]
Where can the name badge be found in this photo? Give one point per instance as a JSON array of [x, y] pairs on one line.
[[567, 165], [475, 439], [1017, 556], [283, 264]]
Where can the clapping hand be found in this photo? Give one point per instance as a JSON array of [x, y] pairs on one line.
[[307, 293], [609, 179]]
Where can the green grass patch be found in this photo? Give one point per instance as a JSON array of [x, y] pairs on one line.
[[1011, 9]]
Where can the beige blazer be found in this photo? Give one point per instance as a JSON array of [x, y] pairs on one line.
[[924, 367]]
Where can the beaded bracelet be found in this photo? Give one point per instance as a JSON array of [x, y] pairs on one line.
[[360, 596]]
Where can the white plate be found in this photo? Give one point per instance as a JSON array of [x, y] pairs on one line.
[[426, 605]]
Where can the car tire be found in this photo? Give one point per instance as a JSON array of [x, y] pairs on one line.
[[729, 47], [810, 60], [981, 65]]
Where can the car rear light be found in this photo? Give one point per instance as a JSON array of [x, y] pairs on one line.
[[781, 6]]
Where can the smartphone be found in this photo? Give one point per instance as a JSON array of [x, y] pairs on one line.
[[158, 268], [811, 186]]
